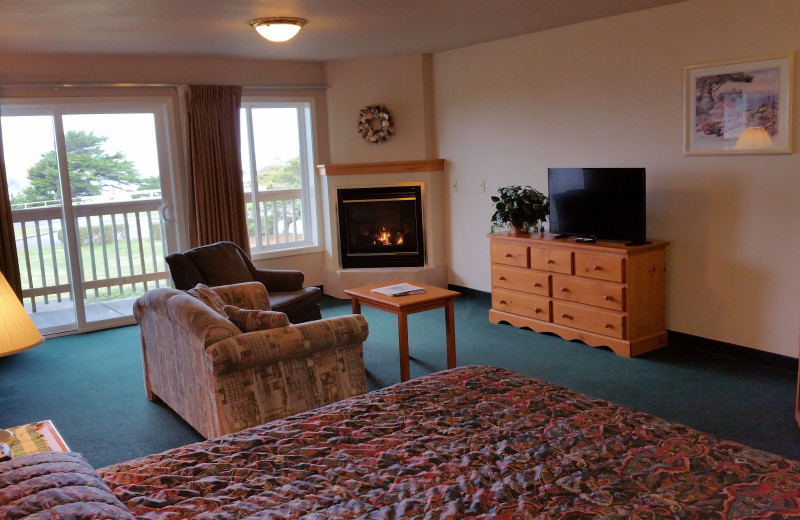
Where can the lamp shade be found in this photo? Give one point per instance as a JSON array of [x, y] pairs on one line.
[[17, 331], [278, 29], [753, 138]]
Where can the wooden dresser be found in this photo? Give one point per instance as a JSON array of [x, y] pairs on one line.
[[604, 294]]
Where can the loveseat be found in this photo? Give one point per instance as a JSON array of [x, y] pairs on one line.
[[222, 360]]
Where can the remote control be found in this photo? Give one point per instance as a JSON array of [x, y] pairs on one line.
[[586, 240]]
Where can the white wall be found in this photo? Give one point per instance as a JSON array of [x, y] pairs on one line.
[[610, 93]]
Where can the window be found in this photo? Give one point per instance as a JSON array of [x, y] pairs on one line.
[[277, 173], [89, 180]]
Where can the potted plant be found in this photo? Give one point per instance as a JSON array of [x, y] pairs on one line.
[[522, 209]]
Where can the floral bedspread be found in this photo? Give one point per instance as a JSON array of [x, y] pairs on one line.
[[471, 442]]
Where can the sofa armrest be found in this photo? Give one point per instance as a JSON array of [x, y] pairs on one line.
[[254, 349], [279, 280], [59, 485], [247, 295]]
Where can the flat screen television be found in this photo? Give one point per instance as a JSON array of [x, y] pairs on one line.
[[600, 203]]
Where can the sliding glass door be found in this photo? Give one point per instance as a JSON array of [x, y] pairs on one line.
[[89, 183]]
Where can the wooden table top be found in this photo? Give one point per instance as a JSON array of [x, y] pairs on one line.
[[431, 294]]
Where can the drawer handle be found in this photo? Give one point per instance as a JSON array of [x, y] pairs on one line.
[[509, 255], [609, 326], [550, 261], [537, 310], [503, 302], [566, 316], [608, 298], [564, 289], [597, 268], [537, 284], [501, 277]]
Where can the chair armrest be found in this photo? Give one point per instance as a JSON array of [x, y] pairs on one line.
[[247, 295], [279, 280], [193, 316], [254, 349]]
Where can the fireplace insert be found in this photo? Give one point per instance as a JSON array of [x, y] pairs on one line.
[[381, 227]]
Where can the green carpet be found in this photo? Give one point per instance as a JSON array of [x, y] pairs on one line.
[[91, 385]]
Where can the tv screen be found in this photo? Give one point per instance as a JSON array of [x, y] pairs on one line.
[[603, 203]]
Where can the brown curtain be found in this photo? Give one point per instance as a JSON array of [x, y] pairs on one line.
[[216, 194], [8, 248]]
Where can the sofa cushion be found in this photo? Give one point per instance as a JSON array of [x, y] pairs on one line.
[[56, 485], [249, 320], [221, 264], [209, 297]]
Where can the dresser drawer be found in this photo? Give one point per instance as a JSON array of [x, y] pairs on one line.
[[526, 280], [553, 260], [522, 304], [591, 319], [510, 254], [602, 294], [600, 266]]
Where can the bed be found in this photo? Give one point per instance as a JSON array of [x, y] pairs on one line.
[[471, 442]]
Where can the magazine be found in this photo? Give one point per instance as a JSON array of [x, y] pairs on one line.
[[399, 289]]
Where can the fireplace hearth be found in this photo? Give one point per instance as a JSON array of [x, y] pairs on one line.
[[381, 227]]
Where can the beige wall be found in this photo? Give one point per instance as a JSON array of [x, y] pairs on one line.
[[21, 69], [610, 93], [397, 83]]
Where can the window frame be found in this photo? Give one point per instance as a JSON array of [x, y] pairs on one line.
[[307, 140]]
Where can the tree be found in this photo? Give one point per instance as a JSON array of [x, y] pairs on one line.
[[707, 86], [91, 169], [285, 176]]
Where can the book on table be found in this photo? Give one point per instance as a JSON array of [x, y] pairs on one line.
[[399, 289]]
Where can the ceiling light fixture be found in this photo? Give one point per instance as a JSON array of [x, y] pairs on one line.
[[277, 29]]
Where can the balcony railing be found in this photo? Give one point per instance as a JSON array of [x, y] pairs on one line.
[[121, 247], [280, 218], [121, 251]]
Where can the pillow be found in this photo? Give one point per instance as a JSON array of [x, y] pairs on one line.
[[58, 485], [209, 297], [252, 320]]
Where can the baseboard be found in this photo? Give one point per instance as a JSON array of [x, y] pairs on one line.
[[471, 293], [721, 348]]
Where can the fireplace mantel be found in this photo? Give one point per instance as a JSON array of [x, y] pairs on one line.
[[431, 165]]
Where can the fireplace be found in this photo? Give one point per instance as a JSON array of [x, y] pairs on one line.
[[381, 227]]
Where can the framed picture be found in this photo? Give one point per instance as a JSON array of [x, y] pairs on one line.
[[739, 107]]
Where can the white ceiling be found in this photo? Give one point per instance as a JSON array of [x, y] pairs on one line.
[[336, 29]]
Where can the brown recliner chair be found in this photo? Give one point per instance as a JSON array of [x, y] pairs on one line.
[[225, 263]]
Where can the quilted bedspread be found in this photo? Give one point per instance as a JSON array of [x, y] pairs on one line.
[[472, 442]]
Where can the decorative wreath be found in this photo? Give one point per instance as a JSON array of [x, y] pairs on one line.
[[375, 124]]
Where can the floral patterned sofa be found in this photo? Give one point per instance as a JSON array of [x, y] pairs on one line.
[[472, 442], [224, 361]]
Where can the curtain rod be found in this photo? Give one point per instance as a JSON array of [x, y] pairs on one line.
[[156, 85]]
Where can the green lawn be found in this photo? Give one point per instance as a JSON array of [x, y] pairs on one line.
[[48, 267]]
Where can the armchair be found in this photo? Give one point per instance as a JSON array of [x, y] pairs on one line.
[[225, 263], [220, 379]]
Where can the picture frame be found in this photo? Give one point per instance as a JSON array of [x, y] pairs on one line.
[[739, 106]]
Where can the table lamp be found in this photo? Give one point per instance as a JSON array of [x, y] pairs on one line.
[[17, 331], [754, 138]]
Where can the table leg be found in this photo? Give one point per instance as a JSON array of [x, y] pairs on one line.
[[402, 330], [356, 305], [450, 328]]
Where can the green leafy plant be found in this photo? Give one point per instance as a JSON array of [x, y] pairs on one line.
[[523, 208]]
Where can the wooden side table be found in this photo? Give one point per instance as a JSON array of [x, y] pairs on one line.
[[402, 306], [35, 437]]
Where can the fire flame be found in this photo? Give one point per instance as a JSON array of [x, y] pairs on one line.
[[384, 237]]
